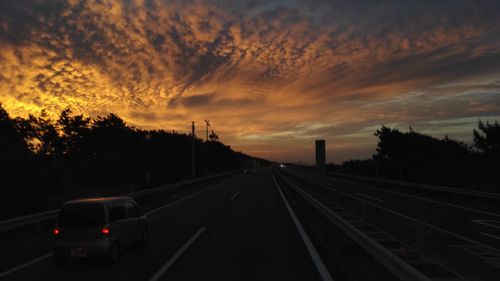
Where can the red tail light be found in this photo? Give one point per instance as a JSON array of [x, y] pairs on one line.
[[105, 231], [56, 231]]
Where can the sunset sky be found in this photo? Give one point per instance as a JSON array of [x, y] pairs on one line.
[[271, 76]]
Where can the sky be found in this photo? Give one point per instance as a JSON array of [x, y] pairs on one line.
[[271, 76]]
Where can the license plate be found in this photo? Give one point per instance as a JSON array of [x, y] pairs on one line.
[[78, 252]]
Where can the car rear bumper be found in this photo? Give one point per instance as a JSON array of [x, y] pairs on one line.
[[97, 248]]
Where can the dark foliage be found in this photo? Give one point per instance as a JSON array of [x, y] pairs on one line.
[[487, 139], [364, 167], [40, 157], [413, 156]]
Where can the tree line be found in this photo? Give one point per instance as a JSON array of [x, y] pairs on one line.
[[41, 157], [417, 157]]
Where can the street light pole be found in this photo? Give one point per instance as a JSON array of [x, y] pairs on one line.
[[207, 122], [193, 171]]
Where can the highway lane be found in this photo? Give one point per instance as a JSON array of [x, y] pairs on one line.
[[20, 245], [255, 240], [170, 229], [206, 237]]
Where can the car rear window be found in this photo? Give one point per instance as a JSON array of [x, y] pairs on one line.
[[81, 215]]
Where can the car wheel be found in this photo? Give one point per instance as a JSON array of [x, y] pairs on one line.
[[145, 237], [114, 253]]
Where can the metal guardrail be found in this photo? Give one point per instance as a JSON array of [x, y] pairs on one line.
[[489, 195], [17, 222], [429, 226], [393, 263]]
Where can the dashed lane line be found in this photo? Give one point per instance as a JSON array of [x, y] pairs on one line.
[[234, 196], [19, 267], [176, 256]]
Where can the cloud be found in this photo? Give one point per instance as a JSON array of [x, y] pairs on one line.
[[198, 100], [256, 69]]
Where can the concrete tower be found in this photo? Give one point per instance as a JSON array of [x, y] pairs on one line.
[[320, 155]]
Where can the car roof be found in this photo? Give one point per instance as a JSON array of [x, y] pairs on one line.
[[100, 200]]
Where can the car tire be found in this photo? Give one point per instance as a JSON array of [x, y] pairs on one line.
[[145, 237], [114, 253]]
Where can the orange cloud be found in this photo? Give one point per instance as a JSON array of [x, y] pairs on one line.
[[264, 73]]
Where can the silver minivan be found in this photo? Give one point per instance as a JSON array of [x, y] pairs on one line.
[[98, 227]]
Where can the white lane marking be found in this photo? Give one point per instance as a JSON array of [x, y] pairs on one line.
[[178, 201], [320, 266], [5, 273], [371, 197], [12, 270], [235, 195], [172, 260], [490, 235], [491, 223]]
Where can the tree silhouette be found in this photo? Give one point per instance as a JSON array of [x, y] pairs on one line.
[[44, 135], [487, 141], [15, 163], [11, 141], [74, 129], [42, 159], [418, 157], [487, 138]]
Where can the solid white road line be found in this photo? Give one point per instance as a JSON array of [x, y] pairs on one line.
[[235, 195], [172, 260], [320, 266], [371, 197], [490, 235], [5, 273], [490, 223]]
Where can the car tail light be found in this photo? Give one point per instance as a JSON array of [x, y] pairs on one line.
[[56, 231], [105, 231]]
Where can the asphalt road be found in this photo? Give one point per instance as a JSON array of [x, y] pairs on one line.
[[239, 229], [461, 237]]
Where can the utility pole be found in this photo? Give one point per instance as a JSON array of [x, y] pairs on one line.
[[207, 148], [207, 122], [192, 150]]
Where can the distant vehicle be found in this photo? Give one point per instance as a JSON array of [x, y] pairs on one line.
[[251, 166], [249, 171], [98, 227]]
